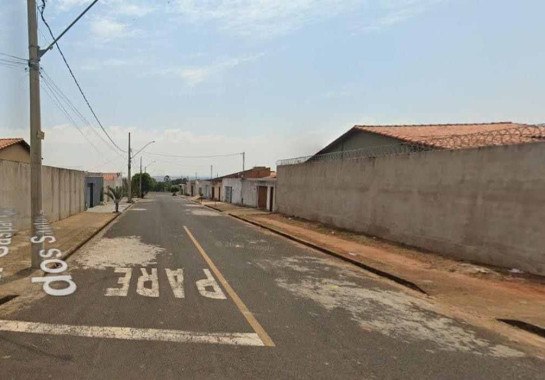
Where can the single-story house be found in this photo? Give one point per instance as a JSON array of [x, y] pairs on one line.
[[14, 149], [216, 189], [108, 179], [94, 185], [260, 192], [113, 180], [205, 188], [235, 189]]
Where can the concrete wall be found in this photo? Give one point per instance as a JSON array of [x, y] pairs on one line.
[[206, 188], [63, 191], [16, 152], [249, 193], [244, 191], [484, 205], [236, 184]]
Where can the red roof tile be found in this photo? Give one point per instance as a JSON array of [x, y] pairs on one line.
[[439, 135], [111, 176], [5, 142]]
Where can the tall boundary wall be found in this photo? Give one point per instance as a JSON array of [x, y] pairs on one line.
[[63, 192], [484, 205]]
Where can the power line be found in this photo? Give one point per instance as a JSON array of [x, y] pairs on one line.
[[50, 92], [41, 10], [14, 57], [11, 64], [210, 156], [61, 94], [57, 95]]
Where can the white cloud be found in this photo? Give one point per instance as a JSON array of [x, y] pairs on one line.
[[93, 65], [69, 4], [194, 75], [65, 147], [269, 18], [391, 12], [261, 18], [115, 7], [133, 9], [107, 29]]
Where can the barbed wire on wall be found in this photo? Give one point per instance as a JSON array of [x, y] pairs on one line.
[[510, 136]]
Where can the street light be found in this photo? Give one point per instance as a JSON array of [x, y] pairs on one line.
[[141, 149]]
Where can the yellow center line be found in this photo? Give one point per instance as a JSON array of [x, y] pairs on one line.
[[259, 330]]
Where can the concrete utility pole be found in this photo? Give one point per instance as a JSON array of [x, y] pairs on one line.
[[243, 160], [131, 156], [211, 169], [146, 167], [36, 134], [129, 194], [141, 177]]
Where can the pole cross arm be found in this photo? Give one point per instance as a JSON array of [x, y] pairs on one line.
[[41, 52]]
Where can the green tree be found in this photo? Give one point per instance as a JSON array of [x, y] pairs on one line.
[[159, 186], [147, 184]]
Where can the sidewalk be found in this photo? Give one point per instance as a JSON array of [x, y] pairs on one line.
[[479, 294], [70, 234]]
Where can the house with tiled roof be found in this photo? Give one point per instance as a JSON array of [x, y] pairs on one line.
[[14, 149], [436, 136]]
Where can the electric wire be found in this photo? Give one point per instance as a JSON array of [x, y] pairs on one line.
[[206, 156], [41, 9], [14, 57], [58, 96], [51, 93], [84, 120]]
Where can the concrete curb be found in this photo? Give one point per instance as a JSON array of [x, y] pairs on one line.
[[381, 273], [514, 324], [70, 251]]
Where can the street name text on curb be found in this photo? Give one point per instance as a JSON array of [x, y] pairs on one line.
[[52, 263]]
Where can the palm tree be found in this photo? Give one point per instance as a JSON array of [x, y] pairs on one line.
[[115, 194]]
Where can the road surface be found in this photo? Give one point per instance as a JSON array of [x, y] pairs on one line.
[[176, 290]]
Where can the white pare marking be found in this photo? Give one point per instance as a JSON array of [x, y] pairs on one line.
[[176, 281], [123, 281], [148, 284], [152, 279], [129, 333], [137, 209], [209, 281]]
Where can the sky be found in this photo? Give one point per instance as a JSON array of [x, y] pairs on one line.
[[272, 78]]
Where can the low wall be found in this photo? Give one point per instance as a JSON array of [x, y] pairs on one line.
[[62, 192], [484, 205]]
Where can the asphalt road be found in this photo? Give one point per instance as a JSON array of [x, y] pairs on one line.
[[212, 297]]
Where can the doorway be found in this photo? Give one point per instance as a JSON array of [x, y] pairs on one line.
[[262, 197], [90, 188], [271, 200]]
